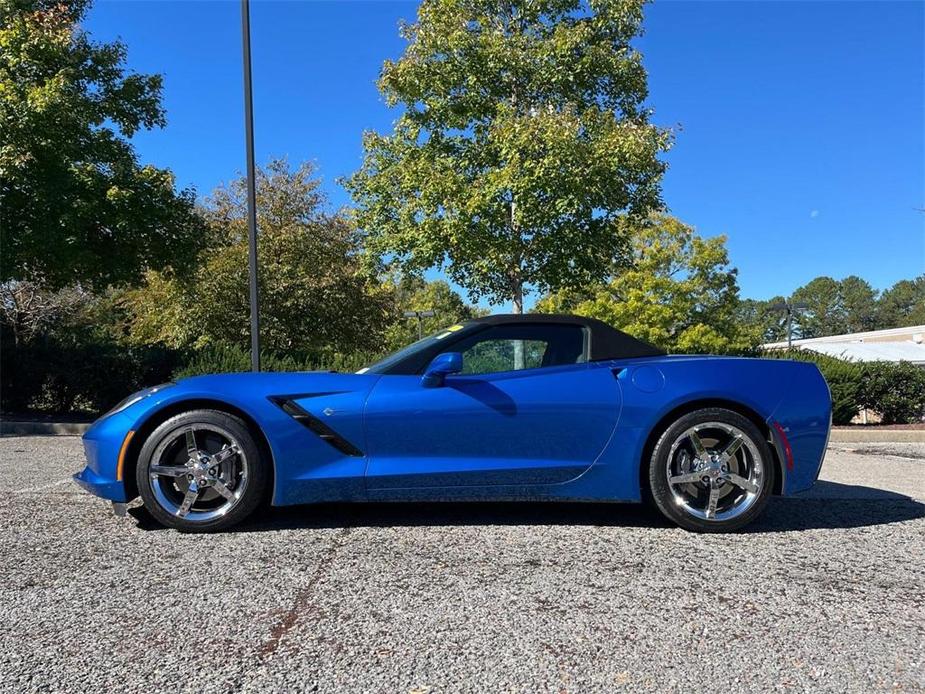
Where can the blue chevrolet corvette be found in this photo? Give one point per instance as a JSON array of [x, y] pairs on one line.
[[531, 407]]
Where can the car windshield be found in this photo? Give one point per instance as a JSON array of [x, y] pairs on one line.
[[424, 343]]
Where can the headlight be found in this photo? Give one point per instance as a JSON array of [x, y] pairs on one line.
[[135, 397]]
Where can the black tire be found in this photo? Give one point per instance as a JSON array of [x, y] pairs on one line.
[[250, 474], [754, 452]]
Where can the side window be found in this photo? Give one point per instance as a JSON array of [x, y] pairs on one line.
[[490, 356], [514, 347]]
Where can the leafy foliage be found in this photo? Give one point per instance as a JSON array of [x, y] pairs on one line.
[[28, 310], [523, 143], [903, 304], [77, 371], [491, 356], [414, 294], [313, 294], [895, 390], [75, 204], [758, 316], [836, 307], [229, 358], [679, 292]]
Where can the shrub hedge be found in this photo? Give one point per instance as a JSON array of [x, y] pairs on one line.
[[895, 391], [78, 376], [228, 358], [87, 374]]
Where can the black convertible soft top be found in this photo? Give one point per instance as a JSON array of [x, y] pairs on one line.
[[604, 341]]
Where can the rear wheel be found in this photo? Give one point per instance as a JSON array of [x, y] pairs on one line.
[[711, 471], [201, 471]]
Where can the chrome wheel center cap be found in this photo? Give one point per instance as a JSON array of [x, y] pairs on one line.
[[199, 471]]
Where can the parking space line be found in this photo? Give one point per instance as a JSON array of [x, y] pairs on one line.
[[42, 487]]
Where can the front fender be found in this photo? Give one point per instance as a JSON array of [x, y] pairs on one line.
[[303, 464]]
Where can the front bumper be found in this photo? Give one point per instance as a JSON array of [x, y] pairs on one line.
[[102, 445], [114, 490]]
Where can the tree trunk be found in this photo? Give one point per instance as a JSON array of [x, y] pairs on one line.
[[518, 299], [518, 291], [519, 360]]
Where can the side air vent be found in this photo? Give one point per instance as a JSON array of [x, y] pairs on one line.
[[315, 425]]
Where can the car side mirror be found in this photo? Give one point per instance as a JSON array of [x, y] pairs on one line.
[[442, 366]]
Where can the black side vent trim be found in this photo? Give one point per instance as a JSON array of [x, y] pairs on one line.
[[315, 425]]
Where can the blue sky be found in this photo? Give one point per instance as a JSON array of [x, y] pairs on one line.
[[801, 124]]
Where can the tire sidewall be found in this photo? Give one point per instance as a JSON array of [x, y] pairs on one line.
[[256, 484], [661, 492]]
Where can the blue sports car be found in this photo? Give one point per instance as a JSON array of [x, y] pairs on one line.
[[525, 407]]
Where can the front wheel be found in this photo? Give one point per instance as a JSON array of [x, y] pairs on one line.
[[711, 471], [201, 471]]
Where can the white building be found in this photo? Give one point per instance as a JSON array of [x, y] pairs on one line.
[[895, 344]]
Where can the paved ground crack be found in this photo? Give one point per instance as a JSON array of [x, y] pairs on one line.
[[302, 602]]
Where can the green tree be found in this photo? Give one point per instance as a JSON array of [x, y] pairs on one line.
[[75, 204], [859, 303], [313, 293], [903, 304], [769, 324], [823, 314], [523, 142], [414, 294], [836, 306], [679, 293]]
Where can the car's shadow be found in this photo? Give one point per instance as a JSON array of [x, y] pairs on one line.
[[827, 505]]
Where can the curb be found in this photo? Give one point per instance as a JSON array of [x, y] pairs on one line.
[[877, 436], [14, 428]]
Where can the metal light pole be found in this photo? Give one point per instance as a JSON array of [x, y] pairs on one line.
[[251, 185], [420, 315], [790, 308]]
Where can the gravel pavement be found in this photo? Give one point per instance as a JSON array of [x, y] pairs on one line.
[[826, 592]]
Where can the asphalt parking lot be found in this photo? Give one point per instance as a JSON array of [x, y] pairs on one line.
[[825, 592]]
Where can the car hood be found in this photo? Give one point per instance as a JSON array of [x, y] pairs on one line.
[[269, 383]]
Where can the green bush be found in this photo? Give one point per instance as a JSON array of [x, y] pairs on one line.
[[78, 374], [896, 391], [229, 358], [80, 371]]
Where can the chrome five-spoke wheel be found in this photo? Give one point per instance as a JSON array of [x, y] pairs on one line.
[[200, 473], [714, 471], [201, 470], [711, 470]]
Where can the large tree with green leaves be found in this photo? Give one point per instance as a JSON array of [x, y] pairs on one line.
[[679, 292], [75, 204], [834, 307], [314, 294], [903, 304], [523, 142]]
